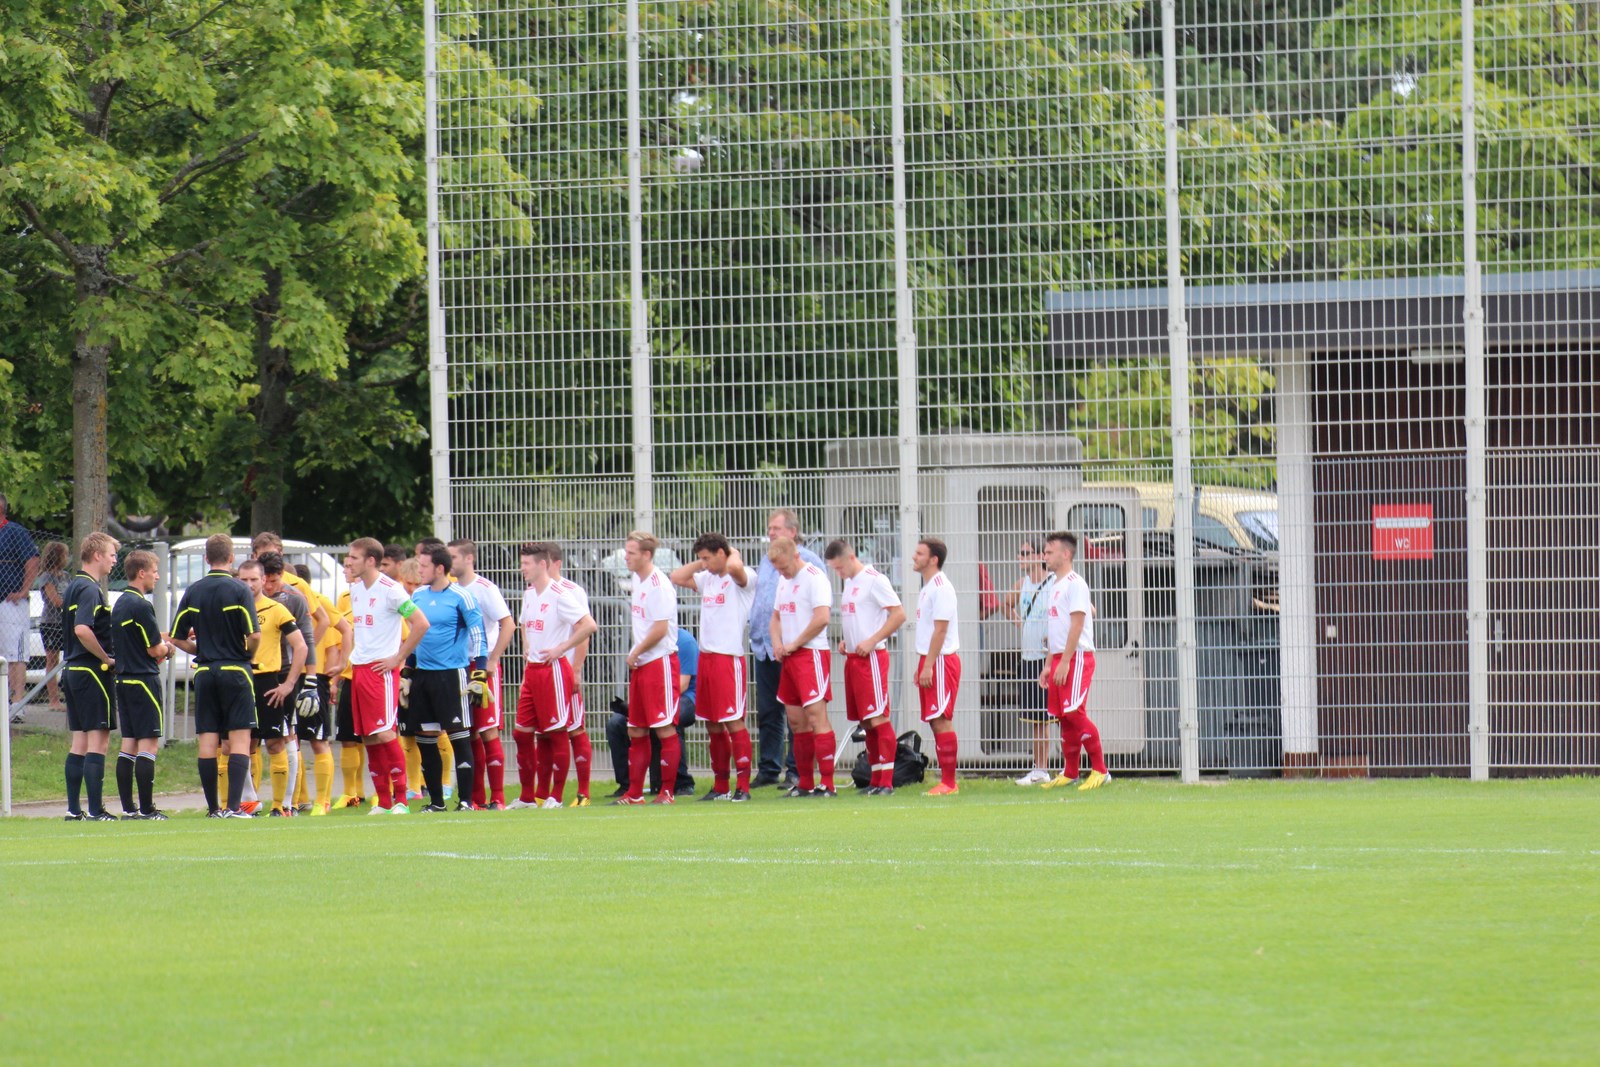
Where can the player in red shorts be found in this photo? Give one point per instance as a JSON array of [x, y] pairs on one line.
[[1069, 667], [378, 604], [553, 623], [869, 611], [652, 671], [799, 628], [938, 665], [722, 684], [488, 753], [577, 732]]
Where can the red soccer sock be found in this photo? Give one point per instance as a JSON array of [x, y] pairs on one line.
[[480, 766], [719, 762], [582, 757], [671, 751], [378, 765], [397, 770], [638, 765], [544, 750], [560, 762], [527, 768], [1089, 735], [888, 746], [1071, 747], [945, 745], [805, 755], [823, 744], [742, 752], [495, 760]]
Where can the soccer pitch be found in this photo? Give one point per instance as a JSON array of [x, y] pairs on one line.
[[1270, 922]]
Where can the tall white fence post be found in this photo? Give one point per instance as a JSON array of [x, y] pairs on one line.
[[1477, 473], [638, 310], [907, 438], [438, 356]]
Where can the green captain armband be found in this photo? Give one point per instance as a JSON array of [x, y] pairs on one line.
[[406, 610]]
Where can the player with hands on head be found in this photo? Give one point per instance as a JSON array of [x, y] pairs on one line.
[[869, 611], [727, 590]]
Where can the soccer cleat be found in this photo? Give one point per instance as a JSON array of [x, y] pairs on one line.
[[580, 801], [1094, 781], [1034, 777], [550, 804], [346, 801], [431, 809], [154, 816], [713, 795], [625, 799], [882, 791], [821, 792], [129, 816], [619, 791], [413, 794], [102, 816], [216, 813], [942, 790], [465, 805], [303, 809], [400, 808], [663, 797], [320, 809], [278, 813], [250, 807], [739, 796], [236, 813], [1060, 781], [796, 791], [496, 805], [74, 816], [520, 803], [375, 810]]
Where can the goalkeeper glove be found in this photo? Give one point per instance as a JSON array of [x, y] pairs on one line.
[[405, 687], [309, 701], [478, 688]]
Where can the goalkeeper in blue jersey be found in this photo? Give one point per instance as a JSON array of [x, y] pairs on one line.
[[437, 674]]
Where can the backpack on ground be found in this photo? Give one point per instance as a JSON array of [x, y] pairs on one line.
[[910, 765]]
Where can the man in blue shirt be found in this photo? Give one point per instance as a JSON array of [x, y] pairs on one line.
[[437, 675], [771, 723], [617, 725], [19, 566]]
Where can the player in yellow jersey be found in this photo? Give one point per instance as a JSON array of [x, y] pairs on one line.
[[275, 687], [314, 707]]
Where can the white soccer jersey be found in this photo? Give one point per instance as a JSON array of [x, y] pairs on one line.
[[581, 595], [724, 611], [547, 618], [864, 607], [798, 597], [375, 615], [1070, 594], [491, 604], [937, 603], [653, 601]]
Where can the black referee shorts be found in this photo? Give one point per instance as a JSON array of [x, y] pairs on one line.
[[89, 700], [224, 699], [139, 707], [272, 723], [438, 704]]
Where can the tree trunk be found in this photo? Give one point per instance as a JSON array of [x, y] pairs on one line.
[[273, 418], [91, 362]]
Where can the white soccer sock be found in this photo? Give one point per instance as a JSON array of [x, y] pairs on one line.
[[294, 773]]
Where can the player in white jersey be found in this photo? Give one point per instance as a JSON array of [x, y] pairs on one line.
[[869, 611], [652, 671], [378, 606], [799, 629], [554, 622], [577, 732], [489, 755], [938, 665], [1069, 667], [726, 592]]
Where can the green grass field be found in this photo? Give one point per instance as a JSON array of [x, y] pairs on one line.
[[1249, 922], [38, 758]]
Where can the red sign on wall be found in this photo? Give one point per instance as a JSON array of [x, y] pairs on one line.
[[1402, 531]]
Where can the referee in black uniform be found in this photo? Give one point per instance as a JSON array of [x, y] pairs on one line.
[[219, 611], [86, 623], [140, 650]]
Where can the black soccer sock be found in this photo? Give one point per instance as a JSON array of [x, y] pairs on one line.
[[94, 780], [144, 772], [238, 775], [125, 781], [208, 780], [466, 766], [74, 781], [432, 769]]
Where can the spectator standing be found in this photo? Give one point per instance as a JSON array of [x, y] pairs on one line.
[[19, 566], [52, 586]]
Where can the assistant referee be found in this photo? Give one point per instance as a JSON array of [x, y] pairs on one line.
[[216, 623]]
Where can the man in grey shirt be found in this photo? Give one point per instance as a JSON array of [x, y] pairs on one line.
[[771, 723]]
